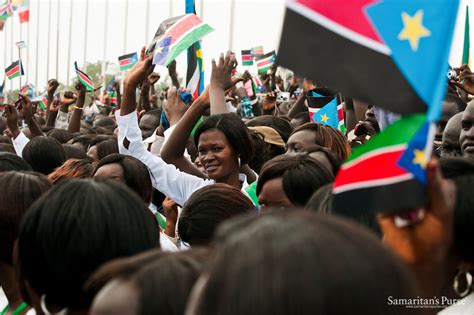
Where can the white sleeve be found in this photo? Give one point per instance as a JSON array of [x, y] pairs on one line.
[[19, 143], [175, 184], [61, 120]]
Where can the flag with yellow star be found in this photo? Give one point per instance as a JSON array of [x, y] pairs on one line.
[[327, 115], [390, 53]]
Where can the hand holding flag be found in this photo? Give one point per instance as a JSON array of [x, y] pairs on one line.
[[85, 80]]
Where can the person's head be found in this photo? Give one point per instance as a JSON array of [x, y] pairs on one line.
[[291, 180], [300, 263], [82, 141], [326, 157], [5, 147], [127, 170], [137, 283], [101, 147], [466, 138], [224, 143], [63, 136], [300, 119], [104, 122], [72, 230], [311, 134], [44, 154], [275, 142], [149, 122], [281, 125], [73, 168], [449, 109], [207, 208], [450, 141], [321, 200], [261, 152], [74, 152], [5, 139], [19, 190], [12, 162]]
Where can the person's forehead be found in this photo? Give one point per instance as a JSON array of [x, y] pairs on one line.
[[468, 113]]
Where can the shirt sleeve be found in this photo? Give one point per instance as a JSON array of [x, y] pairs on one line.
[[61, 120], [19, 143], [175, 184]]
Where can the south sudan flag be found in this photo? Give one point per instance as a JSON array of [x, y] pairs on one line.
[[85, 79], [14, 70]]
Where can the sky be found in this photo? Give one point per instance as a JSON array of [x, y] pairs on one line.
[[131, 25]]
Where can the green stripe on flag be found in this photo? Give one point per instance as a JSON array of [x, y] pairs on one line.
[[399, 133], [187, 40]]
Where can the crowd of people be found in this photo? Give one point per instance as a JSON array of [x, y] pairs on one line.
[[222, 204]]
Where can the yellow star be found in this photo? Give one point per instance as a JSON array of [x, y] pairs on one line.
[[159, 49], [413, 29], [420, 158], [324, 118]]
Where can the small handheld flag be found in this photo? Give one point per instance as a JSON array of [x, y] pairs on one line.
[[326, 115], [6, 11], [257, 51], [174, 36], [85, 79], [265, 62], [42, 101], [128, 61], [247, 59], [14, 70]]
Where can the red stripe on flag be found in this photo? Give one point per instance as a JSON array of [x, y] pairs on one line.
[[247, 58], [378, 167], [125, 62], [340, 114], [263, 63], [181, 27], [84, 77]]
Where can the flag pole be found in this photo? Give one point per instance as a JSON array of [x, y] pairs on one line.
[[125, 30], [105, 42], [28, 50], [37, 43], [85, 34], [201, 9], [231, 30], [147, 20], [11, 50], [49, 40], [69, 46], [171, 8], [19, 58], [57, 41]]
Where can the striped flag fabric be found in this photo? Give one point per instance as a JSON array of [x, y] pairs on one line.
[[84, 79], [247, 59], [22, 7], [341, 125], [467, 41], [127, 62], [2, 97], [6, 10], [2, 24], [195, 69], [265, 62], [28, 90], [14, 70], [174, 36], [370, 177], [42, 101], [257, 51]]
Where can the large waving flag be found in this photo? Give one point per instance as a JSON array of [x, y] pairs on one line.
[[195, 70], [390, 53], [174, 36]]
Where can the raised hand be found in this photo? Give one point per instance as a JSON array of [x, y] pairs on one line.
[[221, 76], [175, 107], [465, 80], [12, 120], [52, 86], [27, 109], [140, 72]]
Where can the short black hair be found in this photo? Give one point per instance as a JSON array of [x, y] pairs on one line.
[[304, 116], [301, 263], [5, 147], [301, 175], [61, 135], [73, 229], [12, 162], [19, 190], [107, 147], [454, 98], [136, 174], [234, 130], [44, 154], [207, 208], [73, 152]]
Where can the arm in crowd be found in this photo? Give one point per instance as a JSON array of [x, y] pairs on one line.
[[173, 74], [52, 86], [19, 139], [298, 107], [28, 115], [116, 87], [220, 81], [75, 123]]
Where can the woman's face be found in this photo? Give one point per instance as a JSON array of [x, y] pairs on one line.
[[300, 141], [92, 155], [273, 195], [112, 171], [217, 156]]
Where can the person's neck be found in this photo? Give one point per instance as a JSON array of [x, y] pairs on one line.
[[232, 180], [9, 285]]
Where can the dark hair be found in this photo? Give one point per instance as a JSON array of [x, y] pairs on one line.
[[207, 208], [5, 147], [104, 122], [5, 139], [464, 218], [301, 175], [304, 116], [75, 228], [136, 174], [281, 125], [454, 98], [12, 162], [73, 168], [73, 152], [19, 191], [44, 154], [328, 137], [301, 263], [61, 135], [333, 159], [234, 130], [85, 140], [321, 200], [262, 151], [107, 147], [453, 167]]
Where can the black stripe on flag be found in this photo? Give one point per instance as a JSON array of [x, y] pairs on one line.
[[13, 65], [126, 56]]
